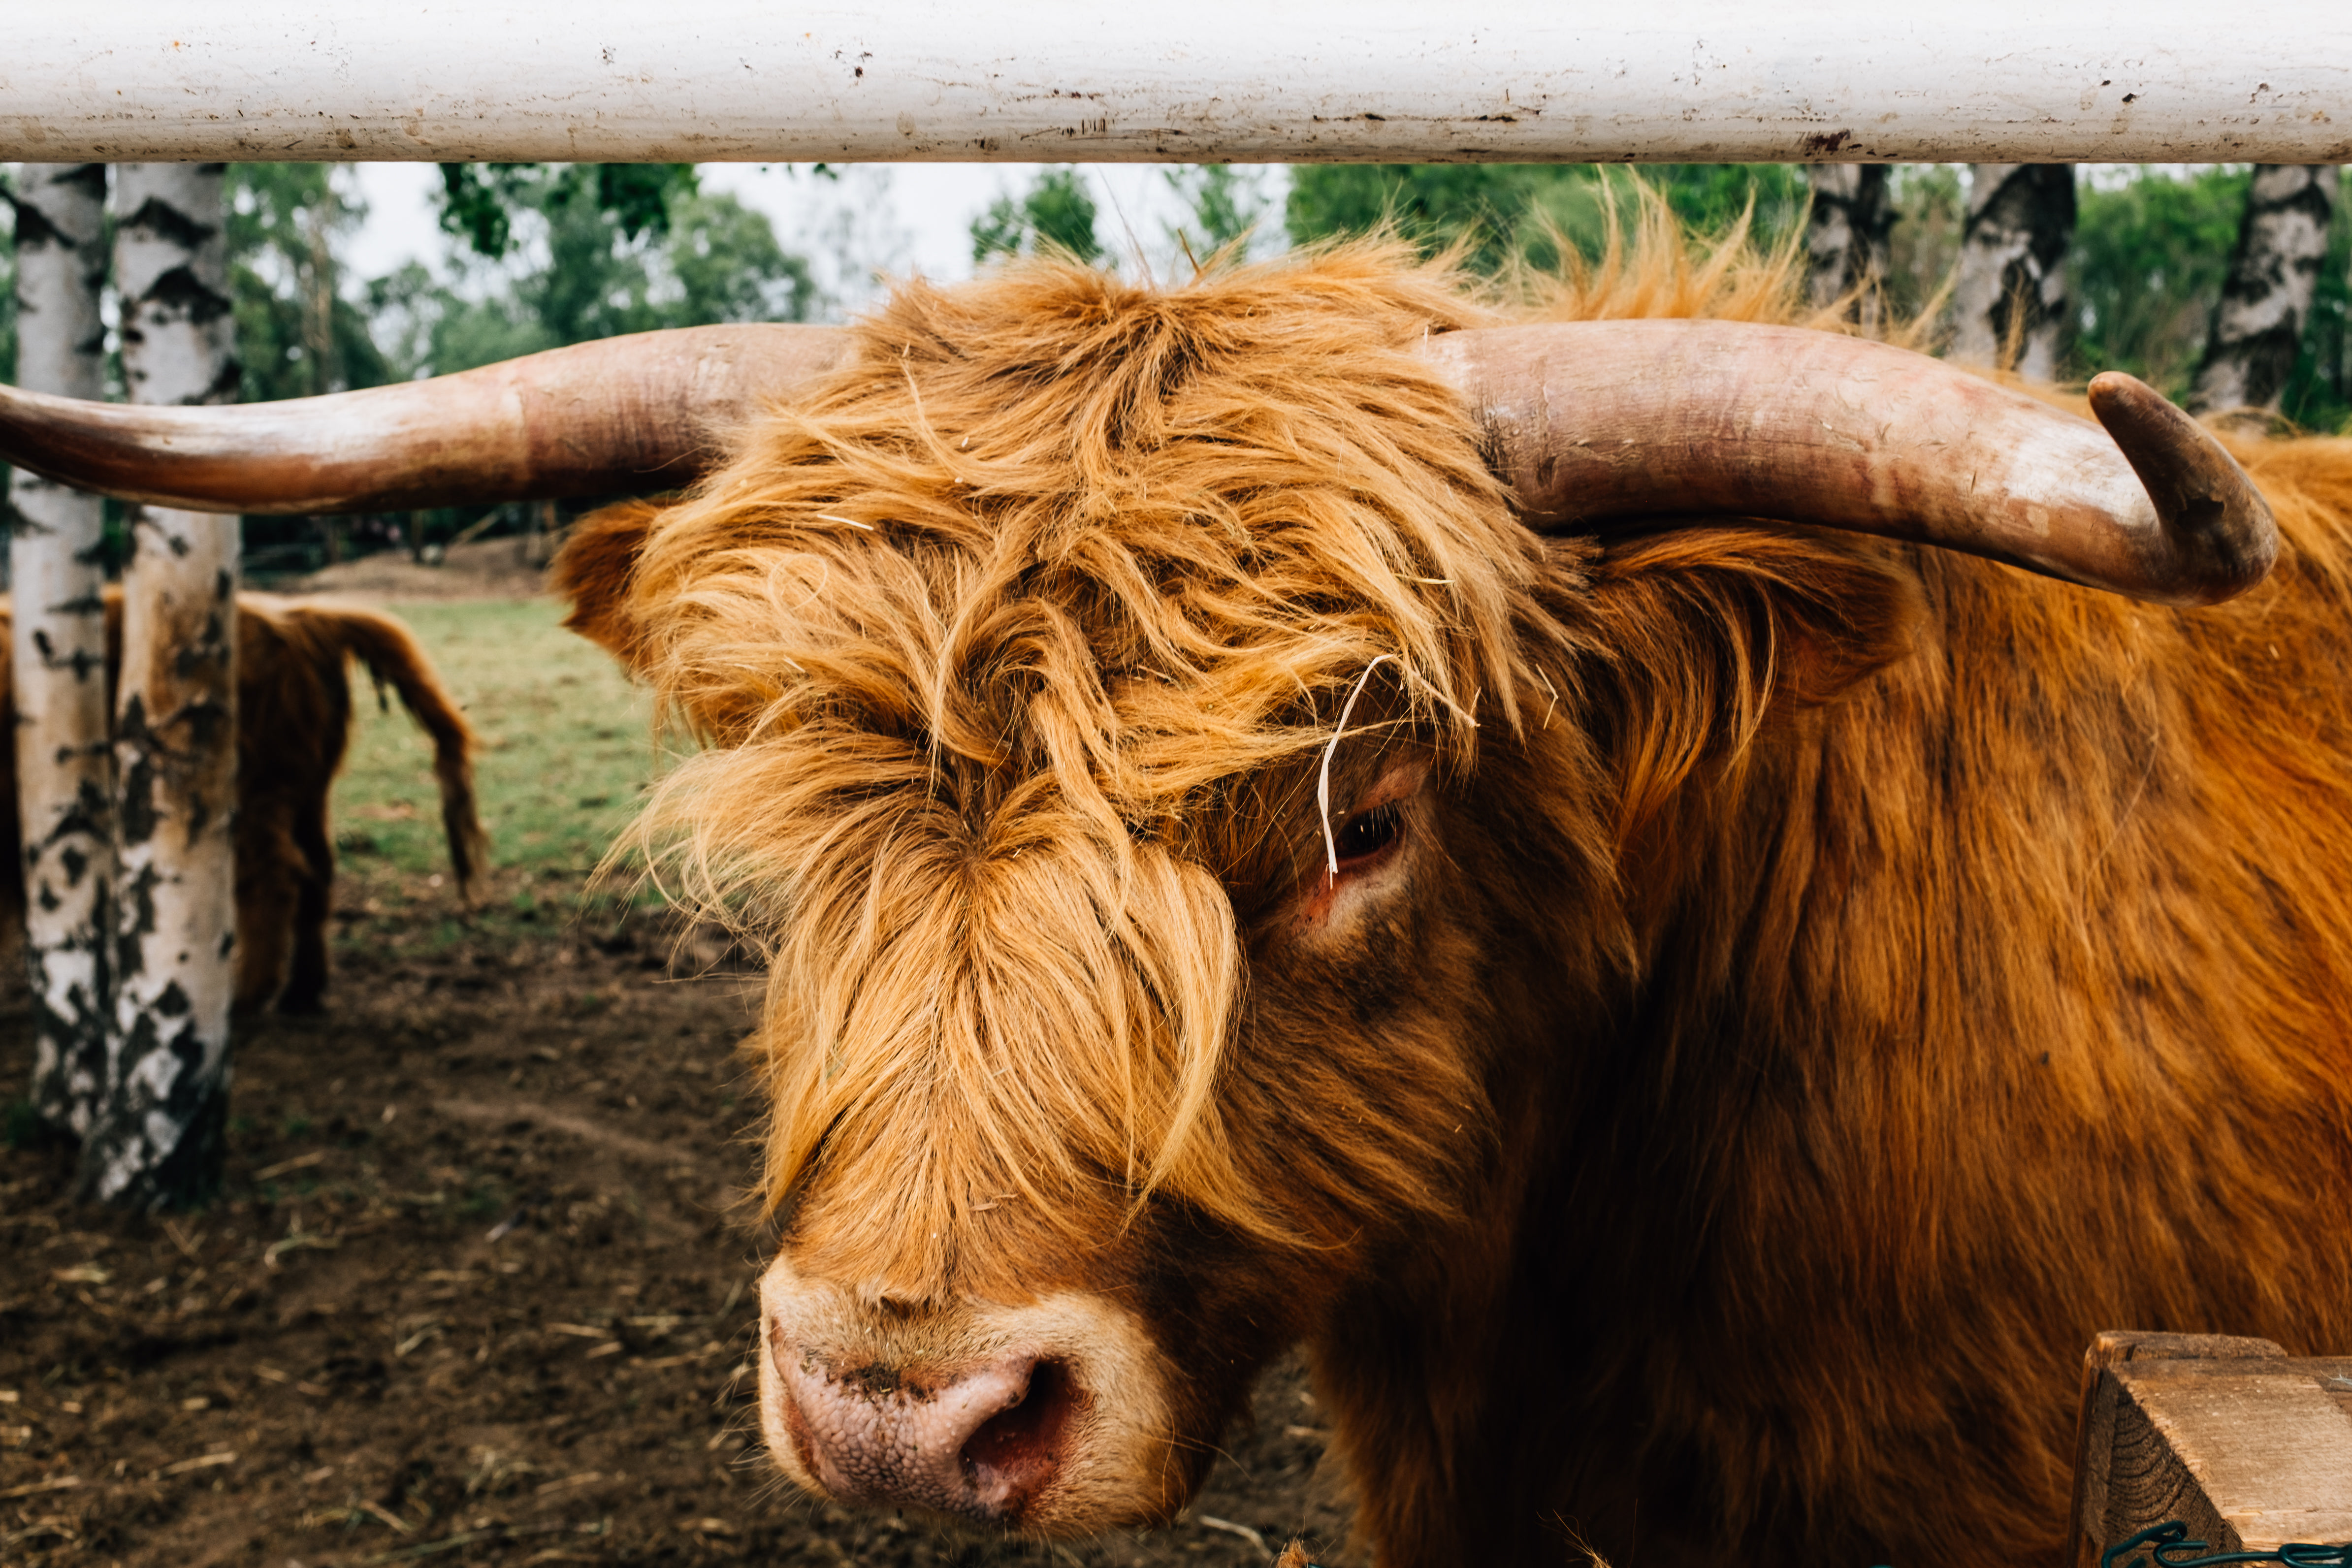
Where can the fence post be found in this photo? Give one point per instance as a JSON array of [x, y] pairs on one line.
[[2243, 1447]]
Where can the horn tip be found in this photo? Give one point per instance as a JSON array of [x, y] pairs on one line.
[[2207, 504]]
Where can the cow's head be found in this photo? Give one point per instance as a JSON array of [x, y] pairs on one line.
[[1176, 787]]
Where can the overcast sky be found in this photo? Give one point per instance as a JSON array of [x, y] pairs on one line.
[[898, 217]]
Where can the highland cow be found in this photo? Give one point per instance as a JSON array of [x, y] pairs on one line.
[[293, 721], [1537, 858]]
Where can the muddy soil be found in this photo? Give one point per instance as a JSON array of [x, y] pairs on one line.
[[478, 1289]]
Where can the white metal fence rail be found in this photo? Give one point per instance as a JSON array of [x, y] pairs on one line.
[[1289, 80]]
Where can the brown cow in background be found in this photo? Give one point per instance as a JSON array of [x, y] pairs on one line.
[[293, 721], [1302, 807]]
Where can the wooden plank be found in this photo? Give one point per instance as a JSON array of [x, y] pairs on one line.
[[2094, 1434], [2250, 1449]]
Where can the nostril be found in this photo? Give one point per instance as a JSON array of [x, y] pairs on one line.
[[1015, 1451]]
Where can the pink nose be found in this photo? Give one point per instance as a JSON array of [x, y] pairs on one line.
[[979, 1442]]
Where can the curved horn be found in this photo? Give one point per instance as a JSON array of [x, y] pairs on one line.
[[1598, 420], [641, 413]]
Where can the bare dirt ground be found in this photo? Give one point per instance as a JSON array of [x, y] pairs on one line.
[[478, 1289], [481, 568]]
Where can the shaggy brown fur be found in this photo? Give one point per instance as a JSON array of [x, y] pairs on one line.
[[293, 720], [1850, 975]]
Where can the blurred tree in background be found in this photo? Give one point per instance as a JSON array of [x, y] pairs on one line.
[[479, 201], [569, 253], [1055, 214], [2150, 249], [1226, 204], [299, 330]]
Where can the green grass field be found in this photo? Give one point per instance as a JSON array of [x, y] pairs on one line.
[[566, 752]]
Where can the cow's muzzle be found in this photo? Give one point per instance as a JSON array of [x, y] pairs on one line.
[[1049, 1417], [983, 1443]]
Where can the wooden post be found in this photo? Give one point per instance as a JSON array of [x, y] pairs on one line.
[[158, 1145], [65, 770], [2246, 1446]]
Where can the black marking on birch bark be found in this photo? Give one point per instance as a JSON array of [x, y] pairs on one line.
[[83, 662], [86, 817], [167, 222], [136, 819], [122, 1161], [179, 295], [137, 898], [208, 724], [34, 229], [224, 384], [72, 1046]]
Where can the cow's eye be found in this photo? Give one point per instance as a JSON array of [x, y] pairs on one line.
[[1367, 833]]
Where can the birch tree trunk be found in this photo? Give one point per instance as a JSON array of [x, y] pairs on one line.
[[2010, 304], [1847, 242], [159, 1144], [2257, 327], [64, 765]]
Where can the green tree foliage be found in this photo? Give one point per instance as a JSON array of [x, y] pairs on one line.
[[1503, 214], [297, 330], [479, 201], [2150, 250], [1054, 216], [1225, 206], [568, 252]]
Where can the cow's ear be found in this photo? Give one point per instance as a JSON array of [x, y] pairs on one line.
[[592, 571], [1773, 618], [1709, 637]]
